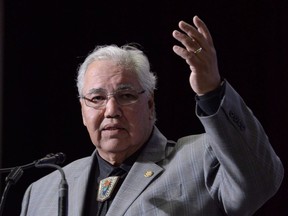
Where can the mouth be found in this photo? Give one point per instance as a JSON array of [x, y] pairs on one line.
[[113, 131], [112, 127]]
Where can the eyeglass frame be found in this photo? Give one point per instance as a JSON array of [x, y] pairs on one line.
[[109, 96]]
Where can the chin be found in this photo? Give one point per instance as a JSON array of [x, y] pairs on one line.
[[114, 146]]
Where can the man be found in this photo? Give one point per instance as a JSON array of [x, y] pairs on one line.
[[231, 169]]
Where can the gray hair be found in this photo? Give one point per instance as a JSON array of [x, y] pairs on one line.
[[129, 56]]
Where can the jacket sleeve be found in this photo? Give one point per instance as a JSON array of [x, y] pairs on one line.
[[241, 168]]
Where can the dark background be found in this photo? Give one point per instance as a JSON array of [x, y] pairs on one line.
[[45, 41]]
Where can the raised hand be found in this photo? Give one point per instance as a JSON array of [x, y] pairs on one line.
[[199, 52]]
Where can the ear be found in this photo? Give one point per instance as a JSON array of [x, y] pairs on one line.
[[151, 105]]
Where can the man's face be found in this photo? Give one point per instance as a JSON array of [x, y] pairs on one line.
[[116, 130]]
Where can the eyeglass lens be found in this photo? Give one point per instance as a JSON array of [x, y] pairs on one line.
[[123, 97]]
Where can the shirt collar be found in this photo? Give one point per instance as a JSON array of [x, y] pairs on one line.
[[106, 168]]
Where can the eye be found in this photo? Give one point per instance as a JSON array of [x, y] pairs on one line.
[[127, 96], [98, 98]]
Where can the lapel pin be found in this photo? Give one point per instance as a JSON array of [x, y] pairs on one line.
[[148, 173]]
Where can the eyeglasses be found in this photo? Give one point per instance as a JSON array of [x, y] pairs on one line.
[[100, 98]]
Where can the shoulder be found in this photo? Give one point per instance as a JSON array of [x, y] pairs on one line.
[[191, 144], [193, 141], [71, 170], [78, 165]]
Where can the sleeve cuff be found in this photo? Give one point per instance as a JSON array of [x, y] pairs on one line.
[[209, 103]]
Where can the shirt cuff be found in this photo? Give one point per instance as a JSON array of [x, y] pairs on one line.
[[209, 103]]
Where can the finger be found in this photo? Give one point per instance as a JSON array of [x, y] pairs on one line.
[[181, 52], [202, 28], [190, 44], [186, 55], [191, 31]]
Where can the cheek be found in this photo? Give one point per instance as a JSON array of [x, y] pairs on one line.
[[141, 119], [91, 119]]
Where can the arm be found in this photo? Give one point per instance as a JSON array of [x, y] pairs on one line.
[[241, 169]]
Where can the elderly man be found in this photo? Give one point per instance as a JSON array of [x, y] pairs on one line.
[[231, 169]]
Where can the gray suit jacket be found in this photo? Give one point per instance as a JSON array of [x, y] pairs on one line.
[[229, 170]]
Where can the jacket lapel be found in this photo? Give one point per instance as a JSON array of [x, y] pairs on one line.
[[142, 173], [77, 186], [137, 180]]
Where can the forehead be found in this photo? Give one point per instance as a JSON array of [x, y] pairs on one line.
[[109, 75]]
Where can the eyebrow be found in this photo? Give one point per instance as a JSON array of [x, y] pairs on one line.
[[119, 87], [96, 90], [124, 87]]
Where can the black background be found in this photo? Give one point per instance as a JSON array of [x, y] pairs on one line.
[[45, 41]]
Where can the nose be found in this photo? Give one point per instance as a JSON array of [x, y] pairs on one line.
[[112, 109]]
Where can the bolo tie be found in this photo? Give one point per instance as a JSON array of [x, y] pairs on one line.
[[108, 188]]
